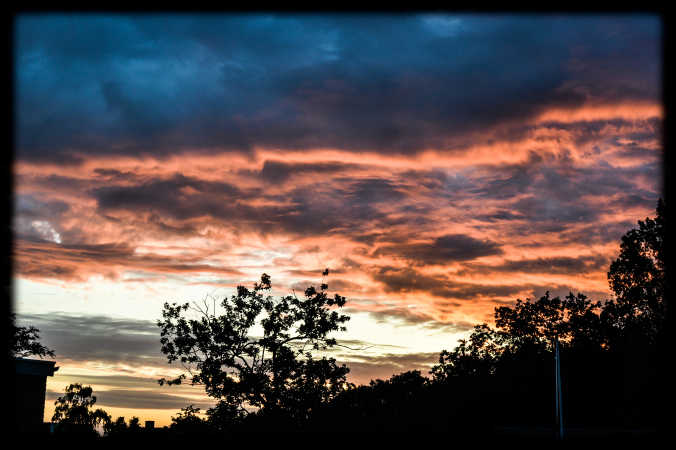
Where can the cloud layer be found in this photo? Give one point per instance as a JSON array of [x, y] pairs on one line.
[[396, 84]]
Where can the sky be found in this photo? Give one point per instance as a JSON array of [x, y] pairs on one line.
[[439, 165]]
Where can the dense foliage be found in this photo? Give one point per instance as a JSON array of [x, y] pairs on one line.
[[275, 374]]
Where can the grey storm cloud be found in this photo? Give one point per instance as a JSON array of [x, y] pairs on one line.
[[30, 207], [443, 249], [128, 84], [41, 259], [310, 210], [179, 197], [410, 280], [99, 338], [140, 399], [399, 280], [552, 265], [279, 171], [365, 368]]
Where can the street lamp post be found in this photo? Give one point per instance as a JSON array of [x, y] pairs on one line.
[[559, 406]]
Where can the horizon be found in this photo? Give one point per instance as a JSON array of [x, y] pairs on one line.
[[439, 165]]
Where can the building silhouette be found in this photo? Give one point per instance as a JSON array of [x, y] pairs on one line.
[[29, 392]]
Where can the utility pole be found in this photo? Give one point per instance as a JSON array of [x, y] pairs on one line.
[[559, 406]]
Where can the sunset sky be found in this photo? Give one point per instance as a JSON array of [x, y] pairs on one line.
[[438, 165]]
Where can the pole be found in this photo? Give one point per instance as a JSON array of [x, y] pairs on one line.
[[559, 406]]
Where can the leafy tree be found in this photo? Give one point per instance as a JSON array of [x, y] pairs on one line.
[[574, 320], [637, 279], [614, 342], [635, 320], [24, 341], [75, 408], [275, 373], [525, 330]]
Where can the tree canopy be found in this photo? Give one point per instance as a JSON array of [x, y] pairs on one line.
[[75, 408], [637, 278], [273, 372]]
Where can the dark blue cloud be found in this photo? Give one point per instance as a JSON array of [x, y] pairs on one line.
[[402, 83]]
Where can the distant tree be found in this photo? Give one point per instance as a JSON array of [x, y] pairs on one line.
[[188, 421], [474, 357], [120, 428], [24, 341], [134, 424], [225, 416], [117, 427], [273, 373], [400, 403], [75, 408]]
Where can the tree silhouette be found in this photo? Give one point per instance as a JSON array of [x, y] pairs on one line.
[[119, 426], [636, 319], [614, 342], [24, 342], [637, 279], [74, 410], [135, 424], [275, 374], [187, 421], [476, 357], [225, 417], [527, 328]]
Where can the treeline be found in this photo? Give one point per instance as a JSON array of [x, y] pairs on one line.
[[500, 377]]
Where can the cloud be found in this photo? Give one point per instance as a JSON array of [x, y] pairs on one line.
[[280, 172], [400, 280], [404, 315], [140, 399], [443, 250], [551, 265], [159, 84], [77, 262], [99, 338], [179, 196], [363, 369]]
